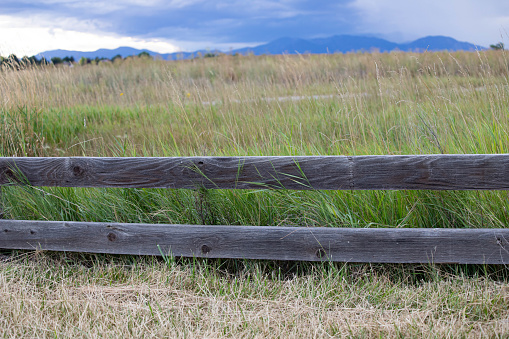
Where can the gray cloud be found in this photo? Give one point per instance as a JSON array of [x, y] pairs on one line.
[[480, 22], [222, 22], [194, 20]]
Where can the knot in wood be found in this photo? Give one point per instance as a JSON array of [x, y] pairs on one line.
[[320, 253], [7, 175], [112, 236], [205, 249], [77, 167], [77, 170]]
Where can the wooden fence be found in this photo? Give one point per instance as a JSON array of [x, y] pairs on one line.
[[384, 245]]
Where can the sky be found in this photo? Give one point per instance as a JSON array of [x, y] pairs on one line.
[[29, 27]]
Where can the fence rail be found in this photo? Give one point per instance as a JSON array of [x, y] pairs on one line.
[[393, 172], [388, 245], [384, 245]]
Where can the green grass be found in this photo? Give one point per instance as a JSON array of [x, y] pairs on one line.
[[397, 103]]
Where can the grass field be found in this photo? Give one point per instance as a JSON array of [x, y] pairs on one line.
[[353, 104]]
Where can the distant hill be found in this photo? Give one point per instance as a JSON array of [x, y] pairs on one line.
[[283, 45], [101, 53], [123, 51], [337, 43], [439, 43], [334, 44], [351, 43]]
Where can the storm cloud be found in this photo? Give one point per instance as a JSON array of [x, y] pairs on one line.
[[168, 26]]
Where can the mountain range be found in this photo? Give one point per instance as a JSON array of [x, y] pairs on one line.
[[334, 44]]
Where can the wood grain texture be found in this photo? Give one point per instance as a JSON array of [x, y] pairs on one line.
[[411, 172], [463, 246], [184, 172], [432, 172]]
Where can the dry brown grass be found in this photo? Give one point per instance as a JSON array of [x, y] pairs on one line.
[[58, 296]]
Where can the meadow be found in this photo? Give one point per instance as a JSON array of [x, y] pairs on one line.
[[338, 104]]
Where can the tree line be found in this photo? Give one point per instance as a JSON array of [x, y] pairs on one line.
[[13, 62]]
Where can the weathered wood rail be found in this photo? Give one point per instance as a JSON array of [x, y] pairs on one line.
[[394, 172], [388, 245]]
